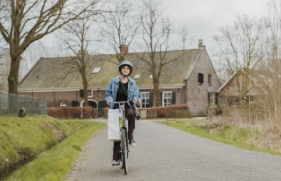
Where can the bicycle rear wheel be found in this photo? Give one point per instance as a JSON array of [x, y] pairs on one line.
[[124, 150]]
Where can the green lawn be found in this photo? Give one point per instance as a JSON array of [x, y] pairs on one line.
[[52, 145], [242, 137]]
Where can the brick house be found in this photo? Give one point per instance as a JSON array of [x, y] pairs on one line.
[[188, 80], [230, 92]]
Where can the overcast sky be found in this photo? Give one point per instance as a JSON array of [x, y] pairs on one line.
[[203, 18]]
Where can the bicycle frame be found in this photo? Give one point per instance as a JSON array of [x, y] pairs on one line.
[[124, 150]]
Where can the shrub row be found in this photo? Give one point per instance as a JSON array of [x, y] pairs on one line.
[[71, 112], [171, 111]]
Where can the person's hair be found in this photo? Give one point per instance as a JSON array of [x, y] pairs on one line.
[[131, 69]]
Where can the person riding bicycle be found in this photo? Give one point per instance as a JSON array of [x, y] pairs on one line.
[[123, 88]]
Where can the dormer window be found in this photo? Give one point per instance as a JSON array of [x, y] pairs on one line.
[[96, 70], [137, 76]]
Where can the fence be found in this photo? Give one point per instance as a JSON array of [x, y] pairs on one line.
[[11, 103]]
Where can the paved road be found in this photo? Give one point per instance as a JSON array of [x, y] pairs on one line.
[[164, 153]]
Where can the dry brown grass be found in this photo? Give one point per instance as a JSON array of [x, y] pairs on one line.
[[269, 130]]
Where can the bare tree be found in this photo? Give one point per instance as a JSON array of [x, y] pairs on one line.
[[77, 36], [23, 22], [184, 36], [241, 49], [31, 55], [2, 46], [4, 66], [3, 63], [269, 77], [120, 26], [156, 29]]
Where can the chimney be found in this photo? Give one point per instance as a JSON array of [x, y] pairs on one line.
[[200, 44], [124, 50], [81, 52]]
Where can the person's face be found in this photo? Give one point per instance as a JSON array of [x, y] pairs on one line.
[[125, 70]]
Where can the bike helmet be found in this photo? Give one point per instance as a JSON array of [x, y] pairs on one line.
[[128, 63]]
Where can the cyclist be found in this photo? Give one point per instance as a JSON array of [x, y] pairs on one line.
[[123, 88]]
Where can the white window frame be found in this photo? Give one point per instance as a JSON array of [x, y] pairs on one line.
[[63, 104], [213, 97], [167, 97], [90, 93], [142, 97]]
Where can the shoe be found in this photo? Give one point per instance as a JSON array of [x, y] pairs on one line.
[[114, 162], [132, 142]]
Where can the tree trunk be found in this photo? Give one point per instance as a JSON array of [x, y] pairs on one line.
[[157, 92], [85, 87], [14, 74]]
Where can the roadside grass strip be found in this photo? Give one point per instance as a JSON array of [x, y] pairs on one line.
[[54, 163], [242, 137]]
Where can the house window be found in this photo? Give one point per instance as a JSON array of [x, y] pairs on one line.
[[145, 99], [167, 98], [233, 100], [209, 79], [96, 70], [63, 104], [200, 78], [90, 93], [212, 99]]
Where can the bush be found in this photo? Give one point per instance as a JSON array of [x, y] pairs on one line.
[[171, 111], [71, 112], [180, 113]]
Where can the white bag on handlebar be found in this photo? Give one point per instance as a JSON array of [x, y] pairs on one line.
[[114, 133]]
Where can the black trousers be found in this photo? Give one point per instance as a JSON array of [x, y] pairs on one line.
[[131, 126]]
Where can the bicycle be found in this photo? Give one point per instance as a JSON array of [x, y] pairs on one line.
[[124, 145]]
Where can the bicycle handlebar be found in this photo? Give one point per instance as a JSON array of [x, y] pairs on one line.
[[122, 102], [137, 115]]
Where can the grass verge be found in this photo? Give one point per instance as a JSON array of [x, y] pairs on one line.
[[37, 134], [242, 137]]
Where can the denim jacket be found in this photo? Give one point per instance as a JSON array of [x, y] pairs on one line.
[[111, 90]]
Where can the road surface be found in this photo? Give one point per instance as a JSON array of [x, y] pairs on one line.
[[165, 153]]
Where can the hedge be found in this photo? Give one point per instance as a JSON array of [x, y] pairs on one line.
[[171, 111], [71, 112]]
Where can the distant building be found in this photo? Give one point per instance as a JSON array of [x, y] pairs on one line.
[[189, 80], [230, 93]]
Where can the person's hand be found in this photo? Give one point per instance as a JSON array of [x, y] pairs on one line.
[[137, 101], [108, 103]]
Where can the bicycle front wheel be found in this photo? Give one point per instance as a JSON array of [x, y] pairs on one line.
[[124, 146]]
